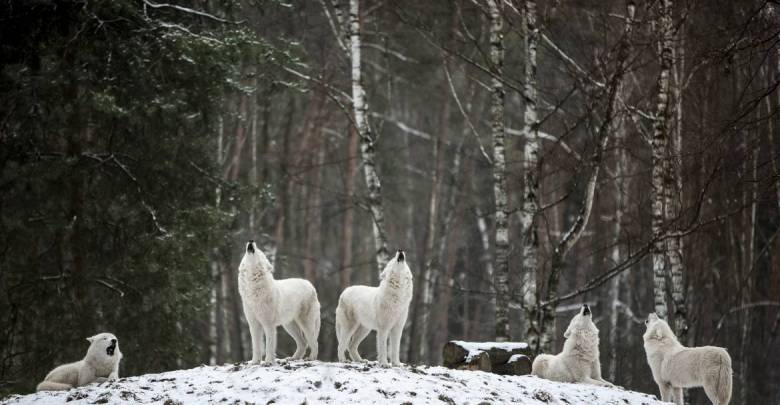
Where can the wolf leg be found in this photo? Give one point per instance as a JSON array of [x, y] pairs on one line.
[[359, 335], [678, 395], [256, 332], [270, 344], [666, 392], [300, 344], [395, 343], [53, 386], [381, 346], [345, 328]]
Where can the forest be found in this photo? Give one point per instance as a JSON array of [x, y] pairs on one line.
[[528, 155]]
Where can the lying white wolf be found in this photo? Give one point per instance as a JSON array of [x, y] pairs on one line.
[[579, 360], [100, 364], [362, 309], [269, 303], [676, 367]]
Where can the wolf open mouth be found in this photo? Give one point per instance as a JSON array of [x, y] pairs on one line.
[[110, 349]]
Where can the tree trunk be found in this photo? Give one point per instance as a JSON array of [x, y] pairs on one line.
[[660, 150], [531, 169], [501, 251], [674, 197], [367, 150]]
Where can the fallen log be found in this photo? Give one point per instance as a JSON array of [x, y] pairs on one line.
[[506, 358]]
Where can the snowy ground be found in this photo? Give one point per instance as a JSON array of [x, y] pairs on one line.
[[300, 382]]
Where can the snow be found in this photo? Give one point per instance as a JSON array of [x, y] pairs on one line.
[[515, 357], [298, 382], [476, 348]]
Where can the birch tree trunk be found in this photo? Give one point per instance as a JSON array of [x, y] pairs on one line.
[[367, 150], [531, 166], [501, 253], [660, 149], [675, 197]]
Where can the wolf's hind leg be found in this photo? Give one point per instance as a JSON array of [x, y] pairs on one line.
[[53, 386], [295, 332], [359, 335]]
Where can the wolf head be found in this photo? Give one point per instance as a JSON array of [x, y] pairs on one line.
[[397, 263], [657, 330], [103, 345], [254, 258], [582, 324]]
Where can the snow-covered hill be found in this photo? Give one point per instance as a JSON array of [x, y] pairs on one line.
[[300, 382]]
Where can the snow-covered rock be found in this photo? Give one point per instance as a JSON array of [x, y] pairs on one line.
[[298, 382]]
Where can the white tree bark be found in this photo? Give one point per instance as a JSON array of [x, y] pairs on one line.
[[501, 251], [531, 166], [662, 184], [368, 153], [674, 198]]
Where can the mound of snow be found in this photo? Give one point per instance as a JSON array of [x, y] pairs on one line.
[[298, 382]]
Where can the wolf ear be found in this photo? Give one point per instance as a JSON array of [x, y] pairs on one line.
[[91, 339]]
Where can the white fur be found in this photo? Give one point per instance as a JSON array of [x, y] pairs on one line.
[[96, 366], [579, 360], [268, 303], [675, 366], [362, 309]]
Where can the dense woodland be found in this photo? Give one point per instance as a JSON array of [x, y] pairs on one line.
[[528, 155]]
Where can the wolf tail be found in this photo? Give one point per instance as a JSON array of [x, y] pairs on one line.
[[341, 330], [540, 365], [724, 379], [53, 386]]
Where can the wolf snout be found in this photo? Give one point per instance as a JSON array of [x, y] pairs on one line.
[[250, 246], [113, 341], [585, 309], [401, 256]]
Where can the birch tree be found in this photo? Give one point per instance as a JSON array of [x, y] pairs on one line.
[[501, 251], [660, 148], [531, 168], [674, 196], [367, 148]]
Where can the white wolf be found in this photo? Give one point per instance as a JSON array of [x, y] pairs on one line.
[[676, 367], [362, 309], [579, 360], [100, 364], [269, 303]]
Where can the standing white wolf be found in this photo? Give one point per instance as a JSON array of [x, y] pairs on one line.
[[100, 364], [676, 367], [579, 361], [269, 303], [362, 309]]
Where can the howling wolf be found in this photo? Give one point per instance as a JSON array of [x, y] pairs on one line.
[[579, 360], [269, 303], [100, 364], [675, 366], [362, 309]]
